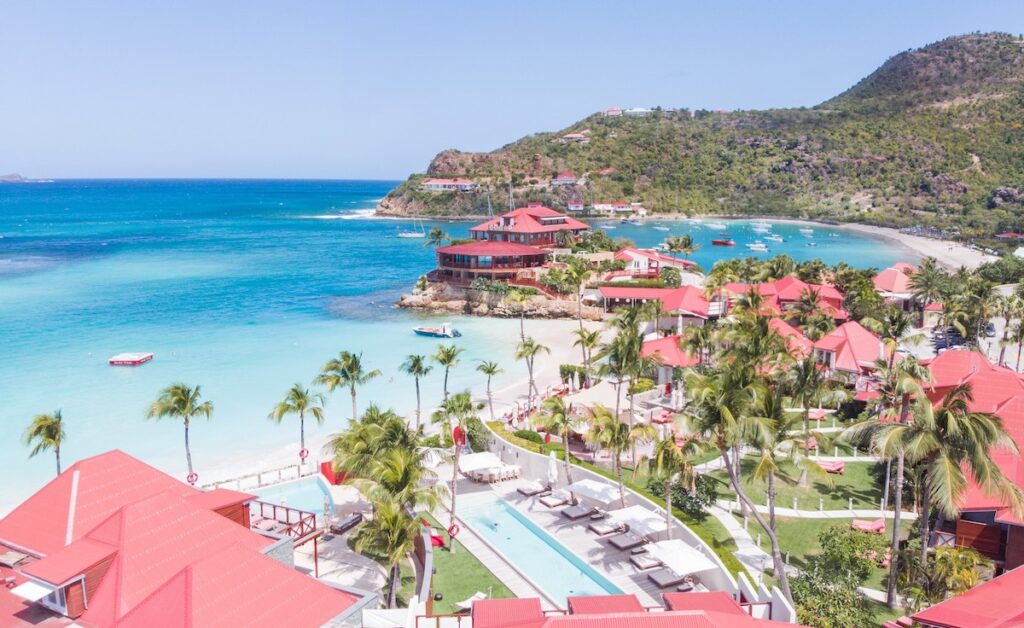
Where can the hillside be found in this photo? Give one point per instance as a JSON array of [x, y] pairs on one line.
[[933, 136]]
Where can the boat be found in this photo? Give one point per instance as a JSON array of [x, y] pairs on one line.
[[725, 234], [660, 228], [444, 331], [130, 359], [694, 221], [723, 242], [760, 247], [833, 235], [812, 244], [717, 225], [411, 234], [607, 227], [638, 223], [807, 231], [761, 228], [773, 238]]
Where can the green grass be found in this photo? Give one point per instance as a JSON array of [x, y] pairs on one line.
[[861, 481], [407, 578], [459, 575], [709, 529]]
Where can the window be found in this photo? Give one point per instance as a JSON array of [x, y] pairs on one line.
[[56, 601]]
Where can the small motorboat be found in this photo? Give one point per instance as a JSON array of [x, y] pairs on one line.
[[130, 359], [717, 225], [660, 228], [773, 238], [760, 247], [725, 234], [807, 231], [812, 244], [723, 242], [444, 331]]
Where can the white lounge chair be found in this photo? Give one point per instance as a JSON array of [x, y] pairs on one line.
[[467, 604], [555, 499], [530, 489]]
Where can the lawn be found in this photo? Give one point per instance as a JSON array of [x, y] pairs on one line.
[[708, 528], [459, 575], [862, 481]]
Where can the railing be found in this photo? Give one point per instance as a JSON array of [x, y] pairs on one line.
[[268, 477], [533, 283], [471, 266], [298, 523]]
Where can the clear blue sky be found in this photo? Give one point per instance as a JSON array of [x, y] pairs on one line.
[[373, 89]]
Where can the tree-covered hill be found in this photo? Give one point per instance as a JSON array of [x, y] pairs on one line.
[[934, 136]]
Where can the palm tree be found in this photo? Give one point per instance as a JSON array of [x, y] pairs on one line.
[[448, 357], [416, 366], [300, 401], [587, 340], [358, 448], [398, 473], [455, 411], [901, 384], [946, 440], [436, 237], [671, 463], [608, 432], [719, 411], [557, 418], [1017, 337], [490, 369], [810, 387], [576, 276], [697, 341], [527, 351], [46, 433], [681, 244], [184, 403], [928, 284], [1009, 308], [519, 300], [346, 370], [390, 534]]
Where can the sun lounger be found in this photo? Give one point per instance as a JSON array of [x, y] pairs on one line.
[[604, 528], [665, 578], [643, 562], [532, 489], [578, 511], [467, 604], [877, 526], [346, 524], [558, 498], [626, 541], [837, 466]]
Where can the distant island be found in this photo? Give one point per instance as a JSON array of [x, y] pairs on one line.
[[933, 137], [14, 177]]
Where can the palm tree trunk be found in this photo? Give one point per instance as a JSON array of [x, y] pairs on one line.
[[393, 586], [352, 390], [302, 433], [802, 481], [446, 368], [455, 492], [777, 563], [668, 507], [618, 474], [618, 397], [1002, 345], [579, 306], [188, 451], [925, 523], [897, 499], [522, 322], [56, 451], [490, 398], [771, 499], [632, 446], [568, 465], [417, 404], [1019, 347]]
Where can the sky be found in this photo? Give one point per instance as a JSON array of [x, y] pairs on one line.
[[374, 89]]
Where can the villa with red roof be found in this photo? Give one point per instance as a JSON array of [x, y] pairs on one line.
[[849, 348], [535, 225], [799, 345], [893, 284], [113, 541], [781, 295], [993, 604], [564, 177], [447, 185], [684, 301], [648, 262]]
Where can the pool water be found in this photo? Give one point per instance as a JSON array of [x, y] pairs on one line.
[[545, 561], [304, 494]]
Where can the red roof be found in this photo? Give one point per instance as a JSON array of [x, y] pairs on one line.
[[718, 601], [606, 172], [666, 350], [799, 345], [498, 613], [597, 604], [688, 299], [448, 181], [219, 498], [788, 290], [492, 248], [895, 279], [565, 175], [993, 604], [933, 307], [97, 486], [632, 253], [238, 587], [531, 219], [69, 562], [856, 349]]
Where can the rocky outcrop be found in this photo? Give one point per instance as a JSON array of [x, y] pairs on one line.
[[442, 298]]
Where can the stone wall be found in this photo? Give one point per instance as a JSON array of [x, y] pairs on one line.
[[443, 298]]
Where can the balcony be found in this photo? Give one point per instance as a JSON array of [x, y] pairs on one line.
[[282, 521]]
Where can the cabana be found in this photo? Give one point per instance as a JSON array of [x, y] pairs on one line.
[[594, 490], [479, 461], [681, 562], [639, 520]]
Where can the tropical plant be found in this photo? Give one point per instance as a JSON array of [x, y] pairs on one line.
[[456, 411], [951, 571], [300, 401], [448, 357], [398, 473], [527, 351], [810, 387], [46, 433], [391, 534], [436, 237], [683, 244], [357, 448], [587, 340], [670, 462], [556, 417], [416, 366], [181, 402], [608, 432], [490, 368], [346, 370]]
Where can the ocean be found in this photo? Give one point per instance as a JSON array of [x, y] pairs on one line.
[[243, 287]]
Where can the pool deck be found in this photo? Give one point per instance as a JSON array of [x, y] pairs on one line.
[[573, 535]]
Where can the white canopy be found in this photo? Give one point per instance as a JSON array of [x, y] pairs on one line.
[[31, 591], [597, 491], [478, 461], [639, 519], [552, 468], [681, 558]]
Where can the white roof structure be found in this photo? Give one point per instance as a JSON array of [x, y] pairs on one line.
[[31, 591], [601, 492], [639, 519], [681, 558], [478, 461]]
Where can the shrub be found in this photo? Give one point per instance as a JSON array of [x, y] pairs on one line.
[[529, 435], [694, 503]]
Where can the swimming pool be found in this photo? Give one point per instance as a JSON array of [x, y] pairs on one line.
[[304, 494], [543, 560]]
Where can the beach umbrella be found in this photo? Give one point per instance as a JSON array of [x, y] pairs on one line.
[[680, 557], [601, 492], [552, 468], [639, 519], [478, 461]]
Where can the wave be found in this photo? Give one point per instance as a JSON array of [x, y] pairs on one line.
[[355, 214]]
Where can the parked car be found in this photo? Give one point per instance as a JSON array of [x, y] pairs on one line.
[[990, 330]]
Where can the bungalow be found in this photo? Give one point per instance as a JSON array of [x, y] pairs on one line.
[[488, 259], [986, 523], [799, 345], [991, 604], [893, 284], [447, 185], [113, 541], [782, 295], [638, 112], [535, 225], [613, 112], [849, 348], [669, 355], [564, 178], [574, 206], [648, 262], [682, 307], [574, 138]]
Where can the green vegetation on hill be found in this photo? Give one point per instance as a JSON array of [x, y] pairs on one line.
[[934, 136]]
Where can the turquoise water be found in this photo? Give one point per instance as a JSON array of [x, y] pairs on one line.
[[244, 287], [306, 494], [550, 566]]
